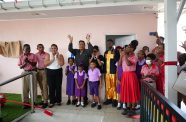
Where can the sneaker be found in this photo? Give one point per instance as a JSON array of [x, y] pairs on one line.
[[78, 104], [82, 104], [93, 105], [114, 103], [137, 107], [125, 112], [124, 106], [99, 107], [51, 105], [68, 102], [107, 102], [119, 106], [74, 102], [131, 113], [44, 105]]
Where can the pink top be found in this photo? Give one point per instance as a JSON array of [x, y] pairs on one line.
[[133, 60], [31, 57], [40, 60], [153, 70], [94, 75], [80, 74]]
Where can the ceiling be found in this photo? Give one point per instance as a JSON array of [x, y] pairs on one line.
[[78, 9]]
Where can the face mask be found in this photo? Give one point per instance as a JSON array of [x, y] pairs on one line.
[[148, 62]]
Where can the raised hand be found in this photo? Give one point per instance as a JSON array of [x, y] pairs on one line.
[[70, 38], [88, 38], [183, 45], [122, 53]]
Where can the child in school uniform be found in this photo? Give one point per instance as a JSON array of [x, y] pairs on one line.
[[150, 71], [70, 86], [94, 78], [80, 88], [130, 92]]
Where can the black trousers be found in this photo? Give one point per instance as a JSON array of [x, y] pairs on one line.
[[54, 79]]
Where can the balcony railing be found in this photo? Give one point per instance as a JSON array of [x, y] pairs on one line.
[[156, 108]]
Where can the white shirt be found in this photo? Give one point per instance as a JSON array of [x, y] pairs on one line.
[[54, 64]]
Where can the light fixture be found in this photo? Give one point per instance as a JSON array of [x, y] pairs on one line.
[[2, 1]]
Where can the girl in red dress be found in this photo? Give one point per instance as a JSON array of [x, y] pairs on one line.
[[160, 62], [130, 92]]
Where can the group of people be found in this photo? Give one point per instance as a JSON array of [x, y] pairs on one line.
[[119, 68]]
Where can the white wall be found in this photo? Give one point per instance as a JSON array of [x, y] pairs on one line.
[[181, 35]]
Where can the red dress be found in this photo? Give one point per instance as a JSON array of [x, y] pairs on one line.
[[130, 91]]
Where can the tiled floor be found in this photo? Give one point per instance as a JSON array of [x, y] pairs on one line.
[[71, 113]]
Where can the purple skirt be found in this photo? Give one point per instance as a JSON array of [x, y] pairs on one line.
[[118, 88], [80, 92], [70, 88]]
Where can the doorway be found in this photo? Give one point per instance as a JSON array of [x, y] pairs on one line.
[[121, 40]]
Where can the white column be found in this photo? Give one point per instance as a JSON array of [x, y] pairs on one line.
[[170, 48]]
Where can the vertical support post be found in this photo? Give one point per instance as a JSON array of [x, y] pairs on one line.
[[170, 48], [32, 93]]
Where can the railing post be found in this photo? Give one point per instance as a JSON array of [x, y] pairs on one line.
[[32, 92]]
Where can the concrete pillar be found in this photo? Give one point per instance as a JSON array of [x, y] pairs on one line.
[[170, 48]]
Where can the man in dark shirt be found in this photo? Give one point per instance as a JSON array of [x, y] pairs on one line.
[[111, 57], [82, 55]]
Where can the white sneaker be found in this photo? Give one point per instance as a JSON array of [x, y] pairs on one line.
[[119, 105], [82, 104], [124, 106], [138, 107], [78, 104]]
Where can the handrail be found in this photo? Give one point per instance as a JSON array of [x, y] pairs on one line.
[[31, 87], [153, 101], [15, 78]]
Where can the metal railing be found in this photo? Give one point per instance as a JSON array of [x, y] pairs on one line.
[[31, 87], [156, 108]]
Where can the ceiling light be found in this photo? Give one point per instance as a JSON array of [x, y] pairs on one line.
[[2, 1]]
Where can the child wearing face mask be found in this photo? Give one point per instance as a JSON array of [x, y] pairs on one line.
[[150, 71]]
